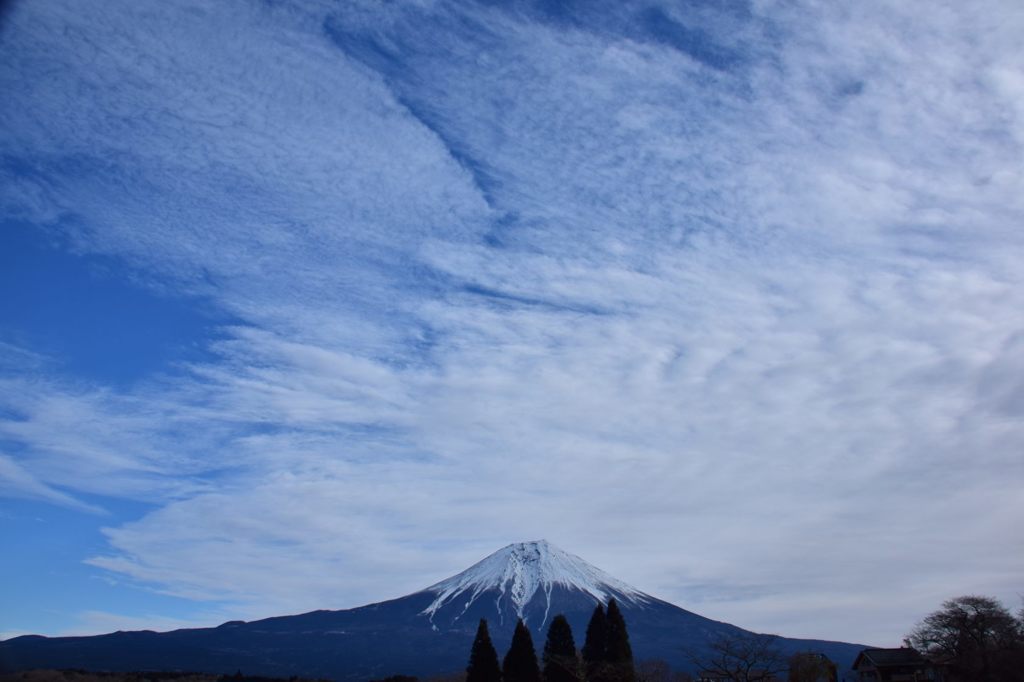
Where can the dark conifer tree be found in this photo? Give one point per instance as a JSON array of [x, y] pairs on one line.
[[596, 646], [618, 652], [520, 664], [483, 659], [560, 661]]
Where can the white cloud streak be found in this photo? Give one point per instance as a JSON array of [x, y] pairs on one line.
[[16, 481]]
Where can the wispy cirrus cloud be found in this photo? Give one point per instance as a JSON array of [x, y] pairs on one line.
[[17, 481], [730, 288]]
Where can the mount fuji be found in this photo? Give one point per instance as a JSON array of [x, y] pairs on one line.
[[425, 633], [523, 581]]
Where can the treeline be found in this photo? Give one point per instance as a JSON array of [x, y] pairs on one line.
[[606, 655]]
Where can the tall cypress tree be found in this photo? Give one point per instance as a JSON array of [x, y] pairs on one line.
[[520, 664], [618, 652], [560, 661], [483, 659], [596, 646]]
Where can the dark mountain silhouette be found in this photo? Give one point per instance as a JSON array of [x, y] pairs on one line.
[[429, 632]]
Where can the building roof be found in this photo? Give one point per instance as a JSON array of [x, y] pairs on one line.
[[891, 657]]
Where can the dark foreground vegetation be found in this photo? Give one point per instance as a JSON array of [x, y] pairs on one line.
[[137, 676], [973, 639], [606, 656], [970, 639]]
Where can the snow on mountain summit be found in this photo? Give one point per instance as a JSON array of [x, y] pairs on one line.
[[519, 570]]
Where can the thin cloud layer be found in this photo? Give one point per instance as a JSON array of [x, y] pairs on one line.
[[724, 299]]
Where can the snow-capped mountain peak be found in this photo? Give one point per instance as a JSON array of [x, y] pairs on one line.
[[517, 572]]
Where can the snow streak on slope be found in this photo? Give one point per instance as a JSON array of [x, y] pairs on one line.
[[519, 570]]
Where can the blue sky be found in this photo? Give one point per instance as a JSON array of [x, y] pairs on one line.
[[307, 305]]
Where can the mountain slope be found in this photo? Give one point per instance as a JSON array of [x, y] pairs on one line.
[[425, 633]]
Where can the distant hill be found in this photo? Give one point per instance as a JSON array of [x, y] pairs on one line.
[[426, 633]]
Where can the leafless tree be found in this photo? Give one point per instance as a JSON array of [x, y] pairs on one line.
[[653, 670], [976, 636], [740, 657]]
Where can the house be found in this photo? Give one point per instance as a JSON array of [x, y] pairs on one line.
[[895, 665]]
